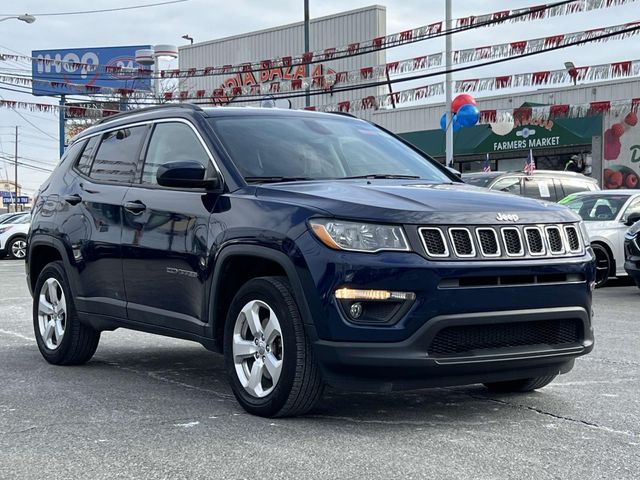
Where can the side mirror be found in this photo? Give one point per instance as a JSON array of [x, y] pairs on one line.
[[631, 219], [186, 174]]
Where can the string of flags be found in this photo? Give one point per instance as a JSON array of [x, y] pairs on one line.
[[610, 71], [549, 10]]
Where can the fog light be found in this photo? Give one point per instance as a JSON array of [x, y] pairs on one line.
[[355, 310], [353, 294]]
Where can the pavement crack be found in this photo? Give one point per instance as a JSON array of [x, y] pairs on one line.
[[540, 411]]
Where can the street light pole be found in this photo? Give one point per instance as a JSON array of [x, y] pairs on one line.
[[15, 186], [307, 97], [448, 85]]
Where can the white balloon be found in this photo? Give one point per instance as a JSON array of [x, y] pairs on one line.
[[502, 128]]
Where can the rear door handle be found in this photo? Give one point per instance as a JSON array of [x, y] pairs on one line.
[[73, 199], [135, 207]]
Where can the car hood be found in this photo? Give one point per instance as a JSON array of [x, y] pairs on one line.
[[413, 202]]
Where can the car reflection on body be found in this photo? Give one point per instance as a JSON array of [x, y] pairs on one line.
[[632, 252], [607, 215]]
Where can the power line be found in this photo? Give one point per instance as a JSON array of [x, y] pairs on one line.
[[84, 12]]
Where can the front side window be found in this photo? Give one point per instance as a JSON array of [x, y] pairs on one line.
[[634, 207], [172, 142], [264, 147], [596, 208], [117, 155], [508, 184]]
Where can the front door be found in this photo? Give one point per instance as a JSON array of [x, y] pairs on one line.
[[165, 236]]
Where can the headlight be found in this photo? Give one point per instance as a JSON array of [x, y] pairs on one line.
[[359, 237], [585, 234]]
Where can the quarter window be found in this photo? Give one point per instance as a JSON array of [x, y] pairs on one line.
[[84, 163], [117, 155], [172, 142]]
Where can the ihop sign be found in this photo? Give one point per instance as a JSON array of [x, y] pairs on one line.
[[63, 72]]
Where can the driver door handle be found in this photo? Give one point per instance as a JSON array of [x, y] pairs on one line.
[[135, 207]]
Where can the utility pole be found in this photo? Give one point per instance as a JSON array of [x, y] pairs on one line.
[[307, 97], [448, 84], [15, 187]]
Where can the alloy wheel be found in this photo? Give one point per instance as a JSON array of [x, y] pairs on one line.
[[19, 249], [257, 348], [603, 265], [52, 313]]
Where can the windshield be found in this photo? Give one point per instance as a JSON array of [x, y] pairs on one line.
[[272, 148], [594, 208]]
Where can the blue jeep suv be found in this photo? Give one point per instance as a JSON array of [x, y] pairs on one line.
[[310, 249]]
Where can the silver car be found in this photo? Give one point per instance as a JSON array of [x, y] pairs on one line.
[[607, 215]]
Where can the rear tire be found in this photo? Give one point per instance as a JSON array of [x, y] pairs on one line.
[[603, 264], [61, 338], [17, 248], [268, 357], [523, 385]]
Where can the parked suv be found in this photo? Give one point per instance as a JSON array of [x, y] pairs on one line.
[[309, 249], [549, 185]]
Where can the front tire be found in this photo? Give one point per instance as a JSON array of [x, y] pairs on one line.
[[268, 357], [61, 338], [520, 386], [603, 264], [17, 248]]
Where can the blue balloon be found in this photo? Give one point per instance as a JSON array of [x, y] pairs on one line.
[[443, 121], [455, 123], [468, 115]]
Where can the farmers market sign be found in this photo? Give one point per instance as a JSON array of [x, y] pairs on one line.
[[525, 137]]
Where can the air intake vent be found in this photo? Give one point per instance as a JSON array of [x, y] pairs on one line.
[[512, 242], [573, 238], [534, 240], [434, 242], [555, 240], [462, 242], [488, 241]]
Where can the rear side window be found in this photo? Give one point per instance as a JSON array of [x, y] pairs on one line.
[[540, 189], [84, 163], [117, 155]]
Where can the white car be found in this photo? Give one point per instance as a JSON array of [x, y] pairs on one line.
[[607, 215], [13, 237]]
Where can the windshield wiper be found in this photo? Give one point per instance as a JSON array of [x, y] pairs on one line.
[[380, 175], [275, 179]]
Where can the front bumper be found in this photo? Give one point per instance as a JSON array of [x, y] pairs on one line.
[[407, 364]]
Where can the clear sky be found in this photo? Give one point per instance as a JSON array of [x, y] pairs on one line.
[[207, 19]]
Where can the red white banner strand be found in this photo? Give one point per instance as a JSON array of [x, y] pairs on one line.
[[617, 70], [70, 111], [378, 73], [409, 36], [71, 88]]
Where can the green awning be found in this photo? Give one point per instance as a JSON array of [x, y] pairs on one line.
[[480, 140]]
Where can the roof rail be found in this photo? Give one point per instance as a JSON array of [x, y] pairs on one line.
[[189, 106], [344, 114]]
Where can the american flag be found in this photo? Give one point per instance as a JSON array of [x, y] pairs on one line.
[[487, 165], [530, 164]]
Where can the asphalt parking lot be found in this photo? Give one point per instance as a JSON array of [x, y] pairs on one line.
[[152, 407]]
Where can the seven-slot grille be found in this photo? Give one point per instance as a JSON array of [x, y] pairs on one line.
[[501, 241]]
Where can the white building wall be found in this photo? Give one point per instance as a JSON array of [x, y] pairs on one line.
[[288, 40]]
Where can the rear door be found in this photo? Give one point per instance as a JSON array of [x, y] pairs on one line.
[[91, 220], [165, 235]]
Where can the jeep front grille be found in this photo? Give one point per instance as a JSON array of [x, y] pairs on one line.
[[496, 242]]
